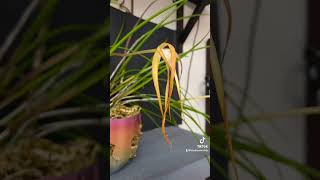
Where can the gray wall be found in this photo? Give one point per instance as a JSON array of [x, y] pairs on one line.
[[277, 77]]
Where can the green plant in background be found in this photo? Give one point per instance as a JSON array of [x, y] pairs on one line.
[[42, 93], [243, 145]]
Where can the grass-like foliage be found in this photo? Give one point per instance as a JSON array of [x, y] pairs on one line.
[[43, 87]]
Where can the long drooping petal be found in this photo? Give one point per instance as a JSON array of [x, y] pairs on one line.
[[170, 61]]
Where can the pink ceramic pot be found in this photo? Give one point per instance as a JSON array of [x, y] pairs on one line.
[[124, 140], [91, 173]]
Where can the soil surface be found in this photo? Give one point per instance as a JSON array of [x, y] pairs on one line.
[[122, 111], [36, 158]]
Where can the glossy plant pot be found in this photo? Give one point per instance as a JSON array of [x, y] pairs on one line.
[[91, 173], [125, 136]]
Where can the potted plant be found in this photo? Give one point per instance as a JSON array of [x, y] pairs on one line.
[[43, 101], [125, 121], [125, 86]]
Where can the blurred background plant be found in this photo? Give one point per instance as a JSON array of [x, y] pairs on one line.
[[49, 74]]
